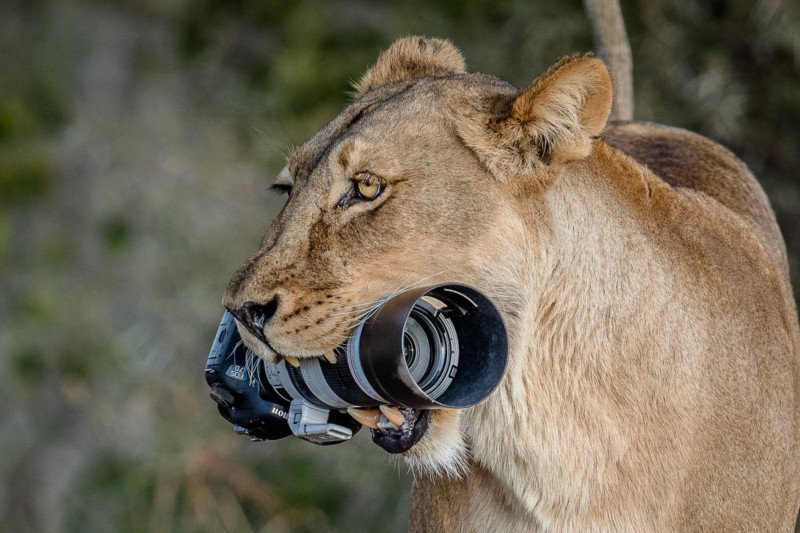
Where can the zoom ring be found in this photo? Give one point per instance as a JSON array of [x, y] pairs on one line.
[[300, 384], [340, 380]]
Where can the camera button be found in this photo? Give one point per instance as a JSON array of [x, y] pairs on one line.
[[222, 396]]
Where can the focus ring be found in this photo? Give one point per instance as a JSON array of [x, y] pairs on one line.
[[300, 384], [340, 379]]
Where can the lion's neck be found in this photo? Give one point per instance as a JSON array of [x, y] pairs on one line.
[[578, 309]]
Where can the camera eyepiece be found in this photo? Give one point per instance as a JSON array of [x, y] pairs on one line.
[[442, 346]]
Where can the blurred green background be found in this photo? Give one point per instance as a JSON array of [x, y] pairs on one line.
[[137, 142]]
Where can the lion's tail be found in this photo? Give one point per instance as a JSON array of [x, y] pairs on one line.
[[613, 47]]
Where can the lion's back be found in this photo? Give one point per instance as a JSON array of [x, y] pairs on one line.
[[685, 159], [697, 167]]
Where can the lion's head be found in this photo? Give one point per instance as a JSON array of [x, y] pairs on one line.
[[431, 175]]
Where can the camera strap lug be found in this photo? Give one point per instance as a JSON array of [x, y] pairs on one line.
[[310, 422]]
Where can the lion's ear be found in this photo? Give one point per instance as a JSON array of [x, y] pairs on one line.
[[413, 57], [563, 109]]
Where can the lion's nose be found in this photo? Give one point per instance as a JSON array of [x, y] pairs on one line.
[[254, 316]]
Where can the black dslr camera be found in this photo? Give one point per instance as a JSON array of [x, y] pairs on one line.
[[443, 346]]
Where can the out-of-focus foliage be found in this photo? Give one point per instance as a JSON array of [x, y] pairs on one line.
[[137, 140]]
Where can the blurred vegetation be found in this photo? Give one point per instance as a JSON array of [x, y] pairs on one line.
[[137, 140]]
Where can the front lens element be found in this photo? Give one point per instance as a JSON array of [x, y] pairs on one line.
[[409, 350], [430, 347], [416, 349]]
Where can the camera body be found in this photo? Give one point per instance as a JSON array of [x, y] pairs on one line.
[[240, 386], [439, 347]]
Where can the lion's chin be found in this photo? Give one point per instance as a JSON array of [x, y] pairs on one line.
[[440, 450]]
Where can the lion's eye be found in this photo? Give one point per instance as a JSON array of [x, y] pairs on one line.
[[366, 187], [368, 191], [369, 188], [281, 188]]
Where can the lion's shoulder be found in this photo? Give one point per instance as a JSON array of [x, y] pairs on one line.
[[684, 159]]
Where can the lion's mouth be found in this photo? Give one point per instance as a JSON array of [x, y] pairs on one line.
[[403, 438], [395, 430]]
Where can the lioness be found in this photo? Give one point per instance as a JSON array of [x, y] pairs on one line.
[[653, 367]]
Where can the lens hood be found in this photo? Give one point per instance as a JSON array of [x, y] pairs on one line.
[[481, 343]]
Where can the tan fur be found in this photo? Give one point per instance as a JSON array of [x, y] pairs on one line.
[[652, 381], [413, 57]]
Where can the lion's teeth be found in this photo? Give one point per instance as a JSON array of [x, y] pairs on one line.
[[292, 360], [330, 357], [367, 417], [386, 424], [393, 414]]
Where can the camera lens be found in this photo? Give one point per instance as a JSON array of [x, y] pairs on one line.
[[443, 346]]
